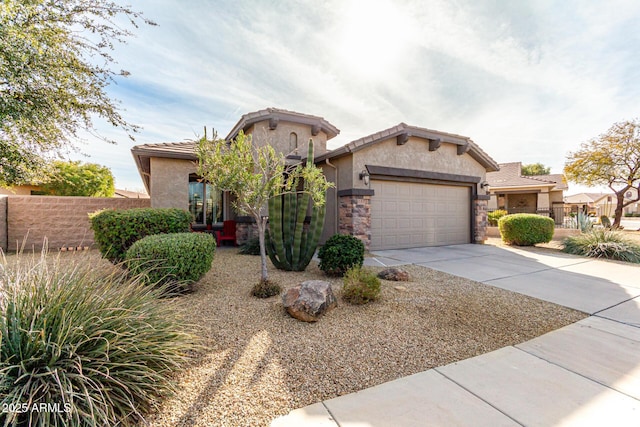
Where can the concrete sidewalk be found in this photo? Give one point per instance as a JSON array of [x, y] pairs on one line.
[[587, 373]]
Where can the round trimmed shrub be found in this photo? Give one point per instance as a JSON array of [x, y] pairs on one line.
[[116, 230], [178, 258], [526, 229], [99, 345], [339, 253], [360, 286]]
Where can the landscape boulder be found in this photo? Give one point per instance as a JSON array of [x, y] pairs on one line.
[[310, 300], [395, 274]]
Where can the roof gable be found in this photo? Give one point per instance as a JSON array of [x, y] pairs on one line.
[[277, 114], [403, 131]]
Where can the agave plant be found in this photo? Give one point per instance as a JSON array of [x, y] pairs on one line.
[[93, 346]]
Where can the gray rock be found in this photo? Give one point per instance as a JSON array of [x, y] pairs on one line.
[[395, 274], [310, 300]]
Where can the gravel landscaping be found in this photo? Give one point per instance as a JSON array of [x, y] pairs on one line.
[[258, 363]]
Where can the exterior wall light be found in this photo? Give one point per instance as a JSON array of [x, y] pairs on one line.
[[364, 176], [484, 184]]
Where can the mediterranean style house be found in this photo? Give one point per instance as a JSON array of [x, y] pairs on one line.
[[515, 193], [402, 187]]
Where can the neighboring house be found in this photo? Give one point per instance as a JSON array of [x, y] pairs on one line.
[[21, 190], [126, 194], [600, 204], [402, 187], [515, 193], [35, 190]]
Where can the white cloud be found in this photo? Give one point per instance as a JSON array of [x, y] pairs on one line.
[[526, 80]]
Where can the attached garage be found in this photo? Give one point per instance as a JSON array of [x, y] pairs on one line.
[[411, 214], [407, 187]]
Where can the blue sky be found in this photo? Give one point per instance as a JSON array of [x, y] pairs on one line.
[[526, 80]]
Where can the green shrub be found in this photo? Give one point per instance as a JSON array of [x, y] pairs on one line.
[[178, 258], [96, 343], [603, 243], [116, 230], [360, 286], [526, 229], [250, 247], [339, 253], [494, 216], [266, 289]]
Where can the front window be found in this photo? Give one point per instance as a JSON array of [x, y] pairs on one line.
[[205, 203]]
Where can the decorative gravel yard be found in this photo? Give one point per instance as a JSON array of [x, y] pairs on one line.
[[258, 363]]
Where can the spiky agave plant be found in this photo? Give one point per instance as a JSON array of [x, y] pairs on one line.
[[603, 243], [83, 346]]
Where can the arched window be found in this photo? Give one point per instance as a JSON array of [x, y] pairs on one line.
[[293, 143]]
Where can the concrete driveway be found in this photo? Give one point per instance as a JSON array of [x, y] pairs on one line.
[[585, 374], [594, 286]]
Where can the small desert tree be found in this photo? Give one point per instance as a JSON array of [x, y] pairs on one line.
[[77, 179], [55, 67], [535, 169], [252, 174], [612, 159]]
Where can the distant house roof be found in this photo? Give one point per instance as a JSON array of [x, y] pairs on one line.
[[276, 114], [130, 194], [510, 175], [403, 130], [586, 198]]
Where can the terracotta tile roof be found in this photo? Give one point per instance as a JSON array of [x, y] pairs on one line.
[[510, 175], [586, 197], [130, 194], [175, 150], [285, 115]]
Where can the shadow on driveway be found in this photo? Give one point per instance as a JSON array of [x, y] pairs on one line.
[[587, 373]]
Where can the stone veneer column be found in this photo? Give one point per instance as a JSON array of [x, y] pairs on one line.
[[246, 229], [480, 205], [354, 217]]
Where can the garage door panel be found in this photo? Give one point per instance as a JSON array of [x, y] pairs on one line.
[[407, 214]]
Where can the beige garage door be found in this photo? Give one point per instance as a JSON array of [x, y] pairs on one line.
[[407, 215]]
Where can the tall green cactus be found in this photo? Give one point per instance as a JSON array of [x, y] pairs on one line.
[[290, 247]]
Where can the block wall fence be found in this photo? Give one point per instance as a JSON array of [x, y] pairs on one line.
[[63, 221]]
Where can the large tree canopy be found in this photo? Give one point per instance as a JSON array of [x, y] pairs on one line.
[[77, 179], [55, 64], [535, 169], [612, 159]]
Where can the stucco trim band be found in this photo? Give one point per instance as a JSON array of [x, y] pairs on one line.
[[378, 172], [355, 192]]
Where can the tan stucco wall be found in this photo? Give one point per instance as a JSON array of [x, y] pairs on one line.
[[493, 203], [415, 154], [280, 136], [556, 196], [331, 216], [169, 182]]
